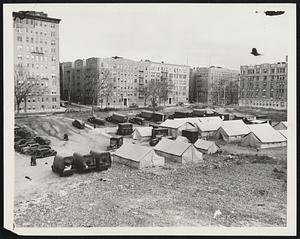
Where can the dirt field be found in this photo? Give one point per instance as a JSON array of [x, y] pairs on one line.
[[246, 189]]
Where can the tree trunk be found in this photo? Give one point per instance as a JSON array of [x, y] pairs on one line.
[[25, 104], [18, 107], [93, 107]]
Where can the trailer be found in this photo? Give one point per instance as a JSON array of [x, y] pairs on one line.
[[199, 113], [117, 118], [146, 114], [181, 114]]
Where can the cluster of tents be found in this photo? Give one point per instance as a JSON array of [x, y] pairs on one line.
[[261, 135], [138, 156]]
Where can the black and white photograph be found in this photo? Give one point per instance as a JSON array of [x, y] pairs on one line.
[[147, 118]]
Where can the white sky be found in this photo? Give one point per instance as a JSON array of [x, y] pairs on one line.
[[197, 34]]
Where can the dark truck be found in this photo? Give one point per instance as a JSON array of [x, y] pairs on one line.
[[158, 117], [94, 120], [94, 161], [157, 134], [115, 142], [63, 165], [124, 129], [146, 114], [190, 134], [117, 118]]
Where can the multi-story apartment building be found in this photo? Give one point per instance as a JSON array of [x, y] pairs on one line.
[[127, 79], [36, 52], [264, 85], [208, 84], [177, 77]]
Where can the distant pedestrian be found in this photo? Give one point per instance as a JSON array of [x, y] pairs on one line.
[[94, 126], [66, 137], [33, 161]]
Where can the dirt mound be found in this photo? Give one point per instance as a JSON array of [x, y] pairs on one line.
[[53, 126]]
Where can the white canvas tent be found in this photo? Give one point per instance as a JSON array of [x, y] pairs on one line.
[[204, 146], [181, 139], [281, 125], [263, 136], [208, 126], [283, 132], [232, 130], [175, 126], [142, 133], [137, 156], [178, 151]]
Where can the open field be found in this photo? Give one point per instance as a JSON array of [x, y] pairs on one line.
[[244, 186]]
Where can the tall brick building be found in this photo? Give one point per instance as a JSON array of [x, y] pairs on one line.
[[264, 86], [127, 78], [36, 51]]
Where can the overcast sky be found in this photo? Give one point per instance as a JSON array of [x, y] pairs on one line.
[[197, 34]]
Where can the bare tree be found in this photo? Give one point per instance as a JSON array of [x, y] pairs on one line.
[[145, 91], [164, 90], [108, 89], [95, 84], [25, 86]]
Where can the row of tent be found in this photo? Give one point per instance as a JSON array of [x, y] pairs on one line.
[[255, 135], [138, 156], [181, 151]]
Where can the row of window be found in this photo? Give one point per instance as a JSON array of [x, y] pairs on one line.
[[35, 40], [36, 49], [264, 71], [37, 58], [42, 99], [266, 103], [34, 22], [41, 33]]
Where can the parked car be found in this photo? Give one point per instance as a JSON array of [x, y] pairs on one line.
[[125, 129], [78, 124], [133, 105], [115, 142], [44, 152], [29, 148], [19, 142], [42, 141], [137, 120], [63, 165], [23, 144], [71, 110], [94, 120]]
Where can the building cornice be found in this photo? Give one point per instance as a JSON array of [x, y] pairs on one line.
[[23, 15]]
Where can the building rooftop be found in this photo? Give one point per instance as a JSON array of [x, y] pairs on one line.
[[35, 16]]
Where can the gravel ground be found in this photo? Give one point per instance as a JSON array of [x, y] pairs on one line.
[[247, 194]]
